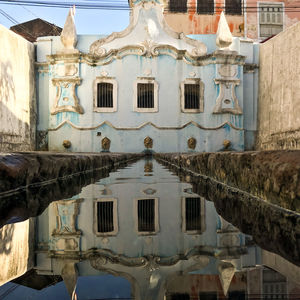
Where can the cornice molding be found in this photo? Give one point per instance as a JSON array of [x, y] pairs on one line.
[[143, 125]]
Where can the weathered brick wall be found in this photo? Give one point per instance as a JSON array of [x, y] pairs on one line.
[[17, 93], [279, 92]]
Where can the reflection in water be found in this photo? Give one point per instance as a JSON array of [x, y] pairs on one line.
[[135, 236]]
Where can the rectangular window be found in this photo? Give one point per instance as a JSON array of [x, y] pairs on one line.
[[145, 95], [233, 7], [179, 296], [205, 7], [192, 95], [104, 94], [105, 217], [193, 215], [208, 296], [178, 6], [146, 215], [270, 19]]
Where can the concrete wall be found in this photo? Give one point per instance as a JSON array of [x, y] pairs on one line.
[[16, 250], [17, 93], [279, 92]]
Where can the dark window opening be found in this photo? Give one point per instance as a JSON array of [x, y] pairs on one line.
[[178, 296], [104, 94], [236, 295], [205, 7], [178, 6], [193, 213], [233, 7], [145, 95], [105, 216], [192, 96], [208, 296], [146, 215]]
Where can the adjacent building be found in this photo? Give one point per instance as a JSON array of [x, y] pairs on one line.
[[248, 18]]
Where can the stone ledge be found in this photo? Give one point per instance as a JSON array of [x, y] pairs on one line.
[[271, 175], [19, 170]]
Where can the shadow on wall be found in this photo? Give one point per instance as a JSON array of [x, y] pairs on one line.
[[6, 236], [15, 132]]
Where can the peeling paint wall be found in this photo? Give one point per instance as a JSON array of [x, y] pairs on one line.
[[17, 93], [194, 23], [279, 92]]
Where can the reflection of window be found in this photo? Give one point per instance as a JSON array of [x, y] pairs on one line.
[[193, 215], [208, 296], [178, 5], [147, 216], [233, 7], [105, 94], [178, 296], [205, 7], [192, 96], [105, 216], [270, 19], [145, 95], [239, 295]]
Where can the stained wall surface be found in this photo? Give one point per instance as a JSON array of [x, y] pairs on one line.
[[17, 92], [279, 92]]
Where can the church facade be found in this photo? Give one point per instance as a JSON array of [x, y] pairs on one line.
[[146, 88]]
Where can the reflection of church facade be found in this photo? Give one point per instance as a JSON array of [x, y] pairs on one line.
[[146, 87], [154, 232]]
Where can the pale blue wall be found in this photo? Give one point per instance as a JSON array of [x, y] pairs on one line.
[[169, 73]]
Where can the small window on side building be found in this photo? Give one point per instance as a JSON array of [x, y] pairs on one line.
[[205, 7], [178, 6], [233, 7]]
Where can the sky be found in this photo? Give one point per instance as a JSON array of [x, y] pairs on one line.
[[88, 21]]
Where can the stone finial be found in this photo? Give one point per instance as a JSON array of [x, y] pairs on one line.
[[224, 36], [226, 273], [69, 36]]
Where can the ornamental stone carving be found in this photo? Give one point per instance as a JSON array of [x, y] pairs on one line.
[[66, 99], [67, 144], [227, 101], [105, 144], [148, 142], [192, 142]]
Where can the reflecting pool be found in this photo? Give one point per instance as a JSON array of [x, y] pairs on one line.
[[140, 233]]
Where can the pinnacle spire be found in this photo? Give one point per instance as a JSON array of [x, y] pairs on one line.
[[69, 36], [224, 36]]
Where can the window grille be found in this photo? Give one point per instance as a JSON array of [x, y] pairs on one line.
[[193, 213], [191, 96], [145, 96], [270, 19], [146, 215], [233, 7], [105, 216], [178, 5], [104, 94], [205, 7]]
